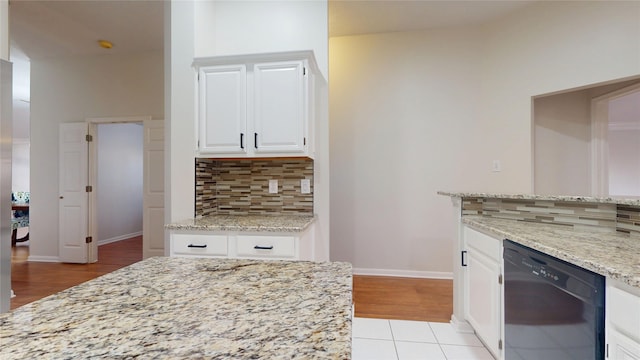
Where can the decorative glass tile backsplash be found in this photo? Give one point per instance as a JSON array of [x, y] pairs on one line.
[[629, 220], [241, 187], [621, 218]]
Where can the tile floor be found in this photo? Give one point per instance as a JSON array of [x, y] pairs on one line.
[[402, 339]]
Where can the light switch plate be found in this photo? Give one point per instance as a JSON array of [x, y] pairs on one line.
[[305, 186], [273, 186]]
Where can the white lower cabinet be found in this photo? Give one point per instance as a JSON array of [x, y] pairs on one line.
[[483, 288], [196, 243], [622, 321]]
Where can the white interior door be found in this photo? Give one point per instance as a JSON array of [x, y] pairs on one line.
[[153, 188], [73, 204]]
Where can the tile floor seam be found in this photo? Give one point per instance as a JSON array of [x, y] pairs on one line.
[[393, 338], [417, 342], [448, 348], [443, 353]]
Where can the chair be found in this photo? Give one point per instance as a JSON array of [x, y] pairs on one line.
[[19, 218]]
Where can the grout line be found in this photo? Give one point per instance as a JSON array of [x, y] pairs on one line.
[[393, 338], [437, 341]]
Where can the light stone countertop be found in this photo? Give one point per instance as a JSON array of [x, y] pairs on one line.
[[611, 254], [246, 223], [586, 199], [173, 308]]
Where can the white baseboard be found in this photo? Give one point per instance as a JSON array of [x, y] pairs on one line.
[[37, 258], [118, 238], [404, 273]]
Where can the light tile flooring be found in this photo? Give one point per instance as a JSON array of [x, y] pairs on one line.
[[402, 340]]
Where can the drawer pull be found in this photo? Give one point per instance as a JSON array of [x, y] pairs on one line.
[[258, 247], [197, 246]]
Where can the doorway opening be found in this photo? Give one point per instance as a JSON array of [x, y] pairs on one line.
[[616, 132], [118, 184], [144, 161], [578, 133]]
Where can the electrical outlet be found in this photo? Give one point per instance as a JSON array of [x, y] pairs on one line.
[[305, 186], [273, 186], [496, 167]]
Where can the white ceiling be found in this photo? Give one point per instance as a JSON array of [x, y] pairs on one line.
[[44, 29]]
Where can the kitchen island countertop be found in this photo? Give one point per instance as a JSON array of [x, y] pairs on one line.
[[246, 223], [191, 308]]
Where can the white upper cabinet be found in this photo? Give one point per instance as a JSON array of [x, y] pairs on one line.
[[255, 105], [279, 107], [223, 109]]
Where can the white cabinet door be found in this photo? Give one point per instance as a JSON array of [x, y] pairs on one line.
[[483, 289], [223, 109], [621, 347], [279, 107], [623, 321]]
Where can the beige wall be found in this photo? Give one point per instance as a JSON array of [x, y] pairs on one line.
[[71, 90], [562, 133], [412, 114], [253, 27], [400, 104]]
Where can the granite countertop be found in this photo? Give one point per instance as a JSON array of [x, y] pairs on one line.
[[191, 308], [246, 223], [587, 199], [610, 254]]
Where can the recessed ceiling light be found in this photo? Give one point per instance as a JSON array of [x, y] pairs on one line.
[[105, 44]]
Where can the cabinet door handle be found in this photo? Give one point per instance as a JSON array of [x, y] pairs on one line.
[[463, 259], [197, 246], [241, 141], [258, 247], [255, 140]]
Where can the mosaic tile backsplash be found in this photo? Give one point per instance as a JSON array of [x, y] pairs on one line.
[[594, 216], [241, 187]]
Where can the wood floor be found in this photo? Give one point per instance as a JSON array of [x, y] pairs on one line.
[[403, 298], [374, 296], [34, 280]]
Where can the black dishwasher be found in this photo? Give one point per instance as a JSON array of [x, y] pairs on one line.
[[553, 309]]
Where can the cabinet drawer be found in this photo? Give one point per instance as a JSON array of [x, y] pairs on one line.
[[205, 245], [266, 246]]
